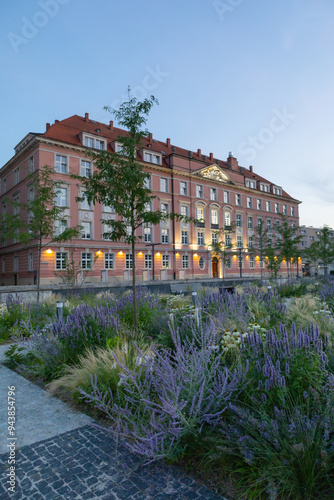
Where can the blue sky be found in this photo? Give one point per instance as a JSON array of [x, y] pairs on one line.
[[250, 76]]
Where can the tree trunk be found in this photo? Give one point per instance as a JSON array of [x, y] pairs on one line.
[[39, 269], [135, 326]]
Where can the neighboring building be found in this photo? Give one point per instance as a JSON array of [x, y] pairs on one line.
[[310, 234], [216, 192]]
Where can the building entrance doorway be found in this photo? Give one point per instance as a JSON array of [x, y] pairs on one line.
[[214, 267]]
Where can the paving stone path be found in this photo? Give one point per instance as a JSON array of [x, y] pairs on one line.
[[60, 455]]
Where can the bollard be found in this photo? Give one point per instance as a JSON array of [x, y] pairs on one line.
[[59, 309], [194, 297]]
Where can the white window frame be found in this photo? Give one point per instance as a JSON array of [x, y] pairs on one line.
[[250, 222], [238, 220], [148, 261], [213, 194], [147, 233], [30, 261], [86, 260], [61, 198], [165, 261], [200, 237], [61, 164], [184, 210], [214, 216], [185, 237], [199, 191], [258, 204], [249, 202], [85, 168], [185, 261], [86, 233], [238, 199], [109, 261], [183, 188], [200, 213], [164, 235], [226, 197], [61, 261], [163, 184], [128, 261]]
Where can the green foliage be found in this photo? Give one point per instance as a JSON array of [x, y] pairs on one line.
[[14, 355], [293, 289]]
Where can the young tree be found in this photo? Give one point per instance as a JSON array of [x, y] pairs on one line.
[[323, 248], [287, 242], [119, 181], [40, 222], [73, 274]]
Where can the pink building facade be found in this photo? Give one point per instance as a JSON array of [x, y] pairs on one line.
[[219, 193]]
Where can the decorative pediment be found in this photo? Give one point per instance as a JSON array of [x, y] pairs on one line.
[[215, 173]]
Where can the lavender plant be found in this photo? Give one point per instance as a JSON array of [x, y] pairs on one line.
[[164, 405], [282, 428]]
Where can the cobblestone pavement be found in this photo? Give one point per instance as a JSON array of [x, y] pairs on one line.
[[82, 463]]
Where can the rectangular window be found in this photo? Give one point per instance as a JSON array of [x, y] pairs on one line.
[[86, 230], [183, 188], [238, 199], [292, 211], [226, 197], [249, 202], [200, 214], [251, 242], [147, 234], [214, 237], [185, 262], [61, 260], [264, 188], [239, 220], [164, 208], [61, 199], [61, 164], [200, 237], [184, 210], [164, 235], [250, 222], [165, 261], [89, 142], [229, 263], [259, 204], [251, 262], [164, 185], [269, 225], [152, 158], [184, 237], [213, 194], [214, 216], [31, 165], [30, 261], [128, 261], [276, 208], [239, 241], [277, 190], [16, 264], [148, 261], [84, 205], [199, 191], [148, 182], [227, 219], [108, 209], [86, 261], [99, 144], [109, 261], [285, 210], [59, 227], [16, 176], [85, 169], [268, 207], [259, 222], [228, 240]]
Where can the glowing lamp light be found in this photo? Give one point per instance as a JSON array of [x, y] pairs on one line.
[[177, 254], [48, 251], [195, 255], [99, 252], [158, 254], [140, 253], [120, 252]]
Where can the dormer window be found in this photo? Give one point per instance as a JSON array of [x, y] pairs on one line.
[[250, 184], [277, 190], [264, 187], [93, 142], [153, 158]]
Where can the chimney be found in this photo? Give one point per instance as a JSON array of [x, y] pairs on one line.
[[199, 152], [168, 142], [56, 121], [47, 126], [111, 124], [190, 154], [87, 117], [251, 168], [150, 137], [232, 162], [211, 156]]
